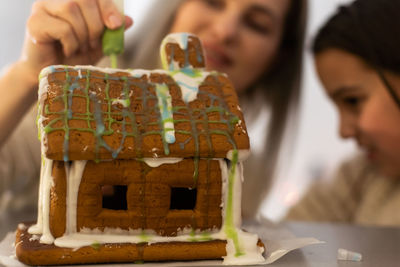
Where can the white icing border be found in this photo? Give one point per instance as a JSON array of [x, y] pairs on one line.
[[156, 162], [43, 222], [74, 174]]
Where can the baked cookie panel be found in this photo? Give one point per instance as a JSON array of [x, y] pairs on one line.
[[166, 199], [89, 114]]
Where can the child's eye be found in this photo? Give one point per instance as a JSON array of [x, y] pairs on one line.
[[351, 101]]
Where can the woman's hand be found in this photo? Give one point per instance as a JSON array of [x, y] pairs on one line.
[[68, 32], [58, 32]]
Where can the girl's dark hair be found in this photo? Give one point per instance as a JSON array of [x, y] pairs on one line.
[[369, 29]]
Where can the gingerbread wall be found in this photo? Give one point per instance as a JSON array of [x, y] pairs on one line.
[[148, 196]]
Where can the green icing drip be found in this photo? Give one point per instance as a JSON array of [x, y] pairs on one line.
[[145, 238], [229, 226], [114, 61], [205, 236], [87, 85], [202, 237], [96, 246], [66, 115]]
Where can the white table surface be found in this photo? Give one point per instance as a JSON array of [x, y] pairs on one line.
[[379, 246]]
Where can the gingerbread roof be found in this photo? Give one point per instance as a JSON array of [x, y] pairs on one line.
[[89, 113]]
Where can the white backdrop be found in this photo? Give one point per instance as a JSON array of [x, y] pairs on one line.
[[317, 149]]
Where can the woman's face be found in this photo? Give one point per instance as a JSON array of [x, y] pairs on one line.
[[240, 37], [367, 112]]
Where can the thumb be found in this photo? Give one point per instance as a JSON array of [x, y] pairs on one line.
[[112, 17]]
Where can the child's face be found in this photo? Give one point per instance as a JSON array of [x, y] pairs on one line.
[[240, 37], [367, 111]]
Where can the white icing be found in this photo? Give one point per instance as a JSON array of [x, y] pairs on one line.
[[165, 107], [176, 38], [224, 178], [137, 73], [248, 244], [243, 154], [78, 240], [188, 82], [124, 102], [43, 82], [34, 238], [189, 85], [37, 228], [43, 222], [237, 192], [74, 175], [45, 171], [21, 226], [156, 162]]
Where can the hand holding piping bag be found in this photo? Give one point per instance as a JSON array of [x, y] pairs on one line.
[[68, 32], [113, 39]]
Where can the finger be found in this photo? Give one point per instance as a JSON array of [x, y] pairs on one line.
[[95, 43], [128, 22], [92, 16], [70, 12], [110, 14], [45, 29]]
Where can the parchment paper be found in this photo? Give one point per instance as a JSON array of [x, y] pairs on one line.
[[278, 240]]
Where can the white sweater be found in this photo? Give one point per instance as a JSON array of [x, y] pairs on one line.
[[358, 194]]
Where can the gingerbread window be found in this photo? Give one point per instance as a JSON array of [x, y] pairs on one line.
[[183, 198], [114, 197]]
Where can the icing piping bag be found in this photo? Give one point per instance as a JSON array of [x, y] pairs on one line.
[[113, 40]]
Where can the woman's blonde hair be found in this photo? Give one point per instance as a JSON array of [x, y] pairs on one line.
[[279, 88]]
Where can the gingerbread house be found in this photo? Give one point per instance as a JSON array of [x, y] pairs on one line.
[[140, 165]]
